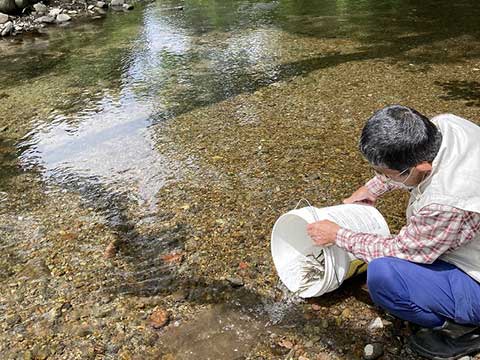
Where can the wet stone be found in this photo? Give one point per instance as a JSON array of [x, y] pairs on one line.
[[376, 324], [373, 351], [235, 281], [159, 318]]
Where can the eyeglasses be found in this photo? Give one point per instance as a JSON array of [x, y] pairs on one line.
[[387, 178]]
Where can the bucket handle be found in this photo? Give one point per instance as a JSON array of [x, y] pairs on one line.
[[316, 218], [310, 207]]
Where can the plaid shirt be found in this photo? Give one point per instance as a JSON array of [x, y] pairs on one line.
[[434, 230]]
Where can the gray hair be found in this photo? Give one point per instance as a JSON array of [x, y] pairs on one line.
[[398, 137]]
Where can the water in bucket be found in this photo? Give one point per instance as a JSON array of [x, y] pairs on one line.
[[299, 261]]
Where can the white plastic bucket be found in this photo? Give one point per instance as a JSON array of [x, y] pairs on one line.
[[290, 244]]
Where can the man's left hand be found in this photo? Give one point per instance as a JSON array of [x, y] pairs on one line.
[[323, 232]]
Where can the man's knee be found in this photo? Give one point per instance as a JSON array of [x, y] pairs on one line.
[[383, 280]]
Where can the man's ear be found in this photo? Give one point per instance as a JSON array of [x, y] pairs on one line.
[[424, 166]]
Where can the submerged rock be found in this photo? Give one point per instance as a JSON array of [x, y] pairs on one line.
[[159, 318], [373, 351], [376, 324], [235, 281]]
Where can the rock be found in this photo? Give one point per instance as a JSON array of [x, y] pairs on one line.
[[7, 29], [346, 313], [117, 2], [101, 4], [42, 354], [128, 6], [373, 351], [91, 7], [465, 358], [111, 250], [173, 258], [54, 12], [84, 331], [3, 18], [100, 11], [40, 8], [47, 19], [235, 281], [159, 318], [316, 307], [8, 6], [22, 4], [35, 269], [376, 324], [63, 18]]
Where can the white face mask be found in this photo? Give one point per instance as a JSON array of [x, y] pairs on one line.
[[399, 184]]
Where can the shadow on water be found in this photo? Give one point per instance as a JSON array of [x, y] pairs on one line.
[[468, 91]]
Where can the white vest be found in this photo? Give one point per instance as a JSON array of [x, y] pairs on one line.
[[454, 181]]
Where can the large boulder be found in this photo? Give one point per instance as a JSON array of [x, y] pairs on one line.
[[22, 4], [8, 6]]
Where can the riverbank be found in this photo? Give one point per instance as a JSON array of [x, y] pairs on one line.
[[37, 17]]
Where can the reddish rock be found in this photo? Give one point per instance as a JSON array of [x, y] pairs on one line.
[[159, 318], [173, 258], [111, 250]]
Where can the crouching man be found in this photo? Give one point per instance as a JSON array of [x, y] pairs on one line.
[[428, 274]]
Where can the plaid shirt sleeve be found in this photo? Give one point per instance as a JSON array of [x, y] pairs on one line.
[[434, 230], [377, 187]]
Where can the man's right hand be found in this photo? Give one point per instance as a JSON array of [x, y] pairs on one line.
[[362, 195]]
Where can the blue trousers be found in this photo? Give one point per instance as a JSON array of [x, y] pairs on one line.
[[424, 294]]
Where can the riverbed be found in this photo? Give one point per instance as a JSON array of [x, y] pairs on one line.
[[145, 157]]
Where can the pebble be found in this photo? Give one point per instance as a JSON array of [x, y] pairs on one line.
[[159, 318], [63, 18], [47, 19], [54, 12], [101, 4], [376, 324], [373, 351], [40, 8], [117, 2], [346, 313], [7, 28], [235, 281], [3, 18]]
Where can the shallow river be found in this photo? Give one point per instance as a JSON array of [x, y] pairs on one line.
[[144, 158]]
